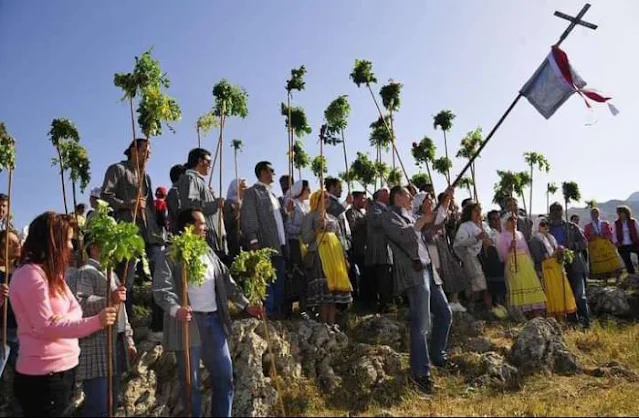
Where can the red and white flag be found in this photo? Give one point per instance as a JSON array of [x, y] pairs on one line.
[[554, 82]]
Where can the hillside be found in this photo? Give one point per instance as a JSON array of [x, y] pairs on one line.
[[608, 209]]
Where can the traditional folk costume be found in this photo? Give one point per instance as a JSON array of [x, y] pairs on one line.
[[626, 237], [494, 269], [605, 261], [296, 284], [524, 289], [326, 265], [560, 300], [467, 246]]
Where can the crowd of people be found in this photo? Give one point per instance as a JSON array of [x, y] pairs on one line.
[[400, 247]]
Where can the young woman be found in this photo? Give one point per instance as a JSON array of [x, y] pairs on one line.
[[326, 265], [295, 289], [548, 256], [524, 289], [605, 261], [469, 241], [49, 319]]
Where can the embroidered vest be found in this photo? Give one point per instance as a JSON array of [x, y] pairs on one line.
[[632, 230]]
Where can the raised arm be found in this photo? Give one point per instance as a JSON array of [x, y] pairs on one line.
[[464, 238]]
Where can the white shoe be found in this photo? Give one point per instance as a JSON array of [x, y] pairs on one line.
[[457, 307], [155, 337]]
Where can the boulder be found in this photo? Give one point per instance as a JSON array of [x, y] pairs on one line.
[[614, 369], [481, 345], [608, 300], [540, 346], [382, 330], [465, 326], [488, 369]]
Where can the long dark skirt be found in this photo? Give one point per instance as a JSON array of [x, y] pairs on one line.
[[318, 292], [451, 271], [295, 284]]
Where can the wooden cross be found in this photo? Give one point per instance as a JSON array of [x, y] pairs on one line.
[[574, 21]]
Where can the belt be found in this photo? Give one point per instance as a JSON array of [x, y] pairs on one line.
[[205, 313]]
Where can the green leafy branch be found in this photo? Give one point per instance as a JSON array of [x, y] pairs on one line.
[[296, 82], [298, 121], [390, 94], [7, 149], [337, 113], [230, 100], [188, 249], [74, 157], [253, 271], [363, 73]]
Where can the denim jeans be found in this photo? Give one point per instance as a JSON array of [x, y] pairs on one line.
[[442, 320], [275, 291], [578, 285], [157, 314], [419, 309], [95, 390], [214, 352]]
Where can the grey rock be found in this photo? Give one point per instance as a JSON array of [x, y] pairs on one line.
[[609, 300], [381, 330], [481, 345]]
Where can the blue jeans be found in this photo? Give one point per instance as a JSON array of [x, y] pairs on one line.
[[275, 291], [442, 320], [578, 285], [95, 390], [419, 310], [214, 352]]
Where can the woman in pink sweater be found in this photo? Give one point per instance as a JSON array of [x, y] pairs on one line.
[[49, 319]]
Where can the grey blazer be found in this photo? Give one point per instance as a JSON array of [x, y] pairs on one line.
[[167, 293], [403, 241], [357, 222], [257, 219], [194, 193], [377, 249]]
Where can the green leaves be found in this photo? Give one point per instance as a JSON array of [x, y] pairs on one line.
[[394, 177], [363, 170], [380, 136], [75, 159], [444, 120], [390, 94], [535, 159], [298, 121], [237, 144], [337, 112], [466, 182], [551, 188], [424, 151], [296, 82], [118, 241], [230, 100], [571, 192], [381, 170], [505, 187], [146, 74], [420, 180], [363, 73], [301, 159], [470, 144], [188, 249], [591, 204], [207, 122], [253, 271], [63, 129], [319, 166], [7, 149], [442, 165]]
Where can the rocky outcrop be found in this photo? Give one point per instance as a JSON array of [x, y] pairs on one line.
[[540, 346], [382, 330], [608, 301], [488, 369]]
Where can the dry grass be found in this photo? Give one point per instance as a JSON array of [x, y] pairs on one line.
[[580, 395]]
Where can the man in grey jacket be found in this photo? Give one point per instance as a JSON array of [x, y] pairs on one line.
[[208, 305], [119, 190], [262, 225], [378, 283], [194, 193]]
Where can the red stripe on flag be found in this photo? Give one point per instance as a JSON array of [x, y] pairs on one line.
[[562, 62]]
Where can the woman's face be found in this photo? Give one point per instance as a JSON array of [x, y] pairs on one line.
[[306, 194], [476, 215], [622, 216], [510, 225], [543, 227], [427, 206]]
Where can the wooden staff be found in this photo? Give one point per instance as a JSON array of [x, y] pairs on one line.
[[273, 368], [220, 216], [291, 140], [5, 308], [348, 175], [109, 346], [515, 238], [187, 344]]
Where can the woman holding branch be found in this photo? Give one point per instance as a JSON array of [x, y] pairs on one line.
[[207, 316], [49, 319]]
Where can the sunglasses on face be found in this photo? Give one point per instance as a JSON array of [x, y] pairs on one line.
[[207, 161]]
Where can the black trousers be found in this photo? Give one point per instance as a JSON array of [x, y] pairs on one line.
[[625, 251], [44, 396], [377, 287]]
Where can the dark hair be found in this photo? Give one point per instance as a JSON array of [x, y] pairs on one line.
[[186, 218], [305, 186], [395, 191], [46, 245], [195, 155], [331, 182], [284, 178], [80, 207], [358, 194], [441, 197], [261, 166], [4, 197], [468, 210], [574, 216], [466, 201], [556, 205], [492, 213], [176, 172], [137, 143], [624, 209]]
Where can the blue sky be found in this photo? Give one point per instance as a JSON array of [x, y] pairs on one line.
[[57, 59]]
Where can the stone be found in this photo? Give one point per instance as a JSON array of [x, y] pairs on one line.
[[631, 282], [609, 301], [481, 344], [614, 369], [465, 326], [381, 330], [540, 346]]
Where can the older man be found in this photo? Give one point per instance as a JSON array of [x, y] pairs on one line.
[[378, 283], [568, 235], [262, 224]]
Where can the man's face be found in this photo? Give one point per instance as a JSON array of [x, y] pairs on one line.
[[200, 224], [4, 207], [267, 175], [575, 220], [556, 213], [359, 202], [403, 199], [336, 190], [204, 165], [284, 183], [594, 214], [93, 201], [383, 196], [494, 221]]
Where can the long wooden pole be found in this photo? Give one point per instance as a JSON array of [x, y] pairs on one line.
[[5, 307], [348, 176], [291, 140], [199, 140], [187, 344], [237, 190], [64, 190], [273, 368], [220, 215], [109, 346]]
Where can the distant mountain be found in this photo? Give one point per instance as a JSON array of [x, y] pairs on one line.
[[633, 197], [608, 209]]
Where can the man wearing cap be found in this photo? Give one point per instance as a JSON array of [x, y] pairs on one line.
[[262, 224], [120, 191]]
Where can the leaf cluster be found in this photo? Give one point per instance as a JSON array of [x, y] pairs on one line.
[[7, 149], [571, 192], [298, 121], [363, 73], [296, 82], [75, 159], [230, 100], [156, 108], [423, 151], [591, 204], [442, 165], [301, 159], [444, 120], [381, 169], [470, 144], [237, 144], [536, 159], [394, 177], [363, 169], [63, 129], [319, 166], [253, 271], [380, 135], [466, 182], [336, 114], [206, 122], [188, 248], [118, 241], [551, 188], [146, 74], [390, 94], [420, 180]]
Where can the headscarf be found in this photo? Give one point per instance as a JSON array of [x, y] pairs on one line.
[[316, 200], [231, 193], [546, 238], [294, 191], [96, 192], [504, 222], [163, 191]]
